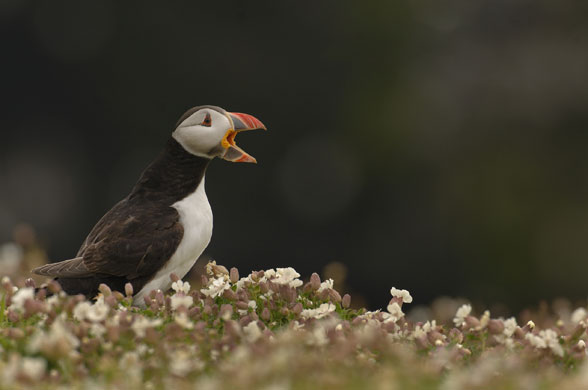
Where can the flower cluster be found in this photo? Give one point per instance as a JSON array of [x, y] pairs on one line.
[[270, 329]]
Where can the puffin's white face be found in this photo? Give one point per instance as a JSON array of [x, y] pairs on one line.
[[210, 132]]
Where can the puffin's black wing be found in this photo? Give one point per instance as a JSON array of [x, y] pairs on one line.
[[132, 240]]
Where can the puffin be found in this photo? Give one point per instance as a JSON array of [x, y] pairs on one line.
[[165, 222]]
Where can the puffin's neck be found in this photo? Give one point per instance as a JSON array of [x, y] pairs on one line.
[[173, 175]]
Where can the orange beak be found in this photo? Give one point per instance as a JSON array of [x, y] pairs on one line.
[[241, 122]]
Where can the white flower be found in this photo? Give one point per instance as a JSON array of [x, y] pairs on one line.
[[484, 320], [241, 283], [578, 315], [183, 320], [319, 338], [536, 341], [404, 294], [132, 365], [142, 323], [178, 300], [531, 324], [10, 258], [252, 304], [92, 312], [319, 312], [268, 274], [552, 340], [98, 311], [58, 339], [81, 309], [21, 296], [461, 314], [287, 276], [546, 338], [395, 311], [429, 326], [420, 331], [97, 330], [510, 326], [53, 300], [216, 287], [183, 361], [33, 368], [252, 331], [29, 368], [326, 285], [181, 286]]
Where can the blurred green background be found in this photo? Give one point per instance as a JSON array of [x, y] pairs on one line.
[[434, 146]]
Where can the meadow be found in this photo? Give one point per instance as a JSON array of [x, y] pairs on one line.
[[270, 330]]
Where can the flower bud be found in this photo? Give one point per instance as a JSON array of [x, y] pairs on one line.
[[334, 296], [226, 311], [234, 275], [434, 336], [104, 289], [456, 335], [422, 342], [471, 322], [41, 294], [346, 301], [263, 287], [12, 316], [495, 326], [54, 287], [129, 289], [111, 300], [230, 295], [7, 283], [159, 297], [315, 281], [297, 309], [30, 283], [244, 320], [215, 270], [357, 320], [265, 314]]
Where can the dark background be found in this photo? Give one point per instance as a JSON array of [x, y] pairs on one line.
[[435, 146]]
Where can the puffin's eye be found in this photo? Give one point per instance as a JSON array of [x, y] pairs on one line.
[[207, 121]]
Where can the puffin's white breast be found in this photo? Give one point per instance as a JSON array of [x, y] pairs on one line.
[[196, 219]]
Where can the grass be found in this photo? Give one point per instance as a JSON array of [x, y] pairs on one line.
[[268, 330]]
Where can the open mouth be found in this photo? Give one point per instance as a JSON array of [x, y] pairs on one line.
[[229, 138], [241, 122]]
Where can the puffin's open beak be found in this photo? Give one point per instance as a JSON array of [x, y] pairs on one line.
[[241, 122]]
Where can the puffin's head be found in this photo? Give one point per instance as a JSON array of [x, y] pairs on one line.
[[209, 131]]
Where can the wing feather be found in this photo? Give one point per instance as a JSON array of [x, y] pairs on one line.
[[72, 268]]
